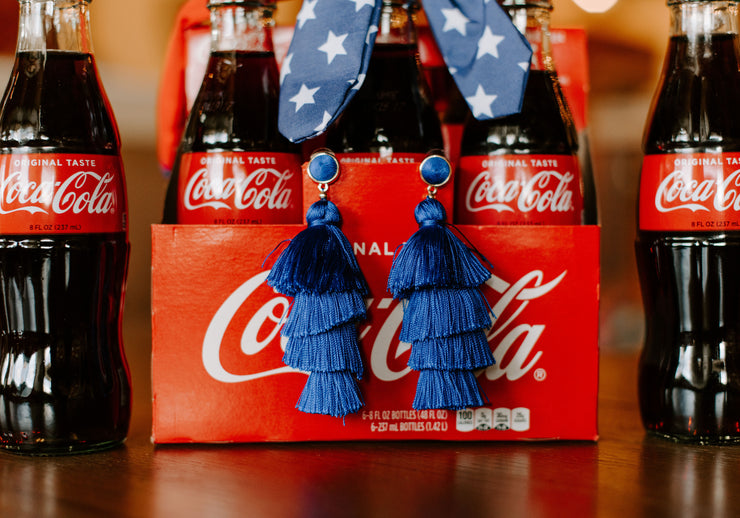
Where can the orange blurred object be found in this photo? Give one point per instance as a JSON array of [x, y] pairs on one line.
[[172, 106]]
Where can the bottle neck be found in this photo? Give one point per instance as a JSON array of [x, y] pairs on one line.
[[696, 20], [54, 25], [396, 25], [698, 30], [533, 20], [241, 26]]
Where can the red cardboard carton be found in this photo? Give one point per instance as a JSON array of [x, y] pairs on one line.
[[217, 369]]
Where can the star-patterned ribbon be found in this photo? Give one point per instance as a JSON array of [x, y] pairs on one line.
[[485, 53], [326, 63], [333, 39]]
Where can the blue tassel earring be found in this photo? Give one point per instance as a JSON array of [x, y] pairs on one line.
[[319, 270], [445, 314]]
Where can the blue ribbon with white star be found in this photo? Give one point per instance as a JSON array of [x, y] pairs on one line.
[[328, 57], [485, 53], [326, 63]]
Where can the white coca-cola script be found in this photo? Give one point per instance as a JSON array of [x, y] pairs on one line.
[[510, 336], [546, 191], [263, 188], [84, 192], [679, 191]]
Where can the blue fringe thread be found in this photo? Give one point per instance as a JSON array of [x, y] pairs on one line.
[[445, 314], [319, 270]]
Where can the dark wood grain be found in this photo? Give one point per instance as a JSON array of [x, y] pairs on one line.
[[624, 474]]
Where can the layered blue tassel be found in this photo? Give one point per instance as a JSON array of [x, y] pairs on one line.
[[317, 313], [450, 389], [445, 314], [467, 351], [434, 257], [320, 271], [331, 351], [442, 312], [330, 393], [319, 259]]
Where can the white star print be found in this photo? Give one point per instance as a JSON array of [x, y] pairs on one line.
[[306, 12], [524, 65], [285, 67], [324, 122], [455, 20], [334, 46], [304, 96], [488, 44], [359, 4], [481, 103], [360, 80], [372, 30]]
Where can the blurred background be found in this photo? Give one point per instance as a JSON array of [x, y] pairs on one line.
[[625, 45]]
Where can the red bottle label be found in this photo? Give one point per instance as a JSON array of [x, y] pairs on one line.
[[380, 158], [239, 188], [684, 192], [519, 190], [44, 193]]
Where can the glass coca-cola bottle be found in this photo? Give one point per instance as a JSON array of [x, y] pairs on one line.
[[523, 169], [688, 238], [233, 166], [64, 380], [392, 117]]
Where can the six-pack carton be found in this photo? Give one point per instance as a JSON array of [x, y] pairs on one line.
[[217, 369]]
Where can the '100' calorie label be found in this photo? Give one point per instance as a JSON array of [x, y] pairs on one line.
[[45, 193], [519, 190], [684, 192], [239, 188]]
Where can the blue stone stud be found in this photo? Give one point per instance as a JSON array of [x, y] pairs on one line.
[[436, 171], [323, 167]]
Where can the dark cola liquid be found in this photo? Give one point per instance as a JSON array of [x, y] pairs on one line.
[[64, 381], [689, 372], [392, 111], [236, 110]]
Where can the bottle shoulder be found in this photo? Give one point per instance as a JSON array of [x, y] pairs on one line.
[[544, 125], [55, 100], [694, 106], [237, 105], [391, 110]]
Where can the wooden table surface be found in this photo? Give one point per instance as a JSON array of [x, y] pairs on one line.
[[624, 474]]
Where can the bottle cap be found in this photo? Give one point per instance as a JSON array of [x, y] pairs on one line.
[[248, 3], [409, 4], [543, 4]]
